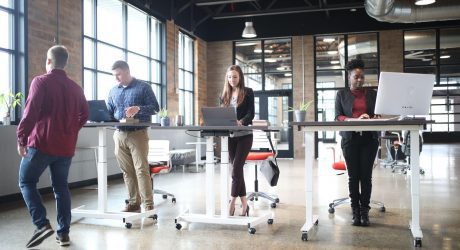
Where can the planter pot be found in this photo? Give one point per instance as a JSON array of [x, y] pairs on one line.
[[164, 121], [6, 120], [300, 115]]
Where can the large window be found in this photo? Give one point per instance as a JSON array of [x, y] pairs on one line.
[[186, 76], [114, 31], [437, 51], [332, 52], [12, 56]]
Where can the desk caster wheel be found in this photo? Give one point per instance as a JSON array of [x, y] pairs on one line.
[[418, 242], [270, 221], [178, 226], [277, 200], [165, 196], [316, 223], [128, 225], [304, 236], [422, 171], [405, 172], [173, 200], [273, 205], [331, 210], [251, 230], [126, 201], [383, 209]]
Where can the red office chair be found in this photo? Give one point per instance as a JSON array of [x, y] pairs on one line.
[[341, 166], [160, 163], [261, 141]]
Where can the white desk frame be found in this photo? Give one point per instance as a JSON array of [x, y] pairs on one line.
[[101, 212], [210, 216], [198, 160], [309, 129]]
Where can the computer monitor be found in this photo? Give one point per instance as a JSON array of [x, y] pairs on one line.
[[219, 116], [404, 94]]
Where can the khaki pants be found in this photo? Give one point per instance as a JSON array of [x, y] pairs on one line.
[[131, 150]]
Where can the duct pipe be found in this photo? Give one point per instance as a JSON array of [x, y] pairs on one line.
[[405, 11]]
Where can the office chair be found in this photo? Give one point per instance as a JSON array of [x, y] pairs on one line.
[[342, 168], [160, 163], [400, 152], [261, 143], [159, 160]]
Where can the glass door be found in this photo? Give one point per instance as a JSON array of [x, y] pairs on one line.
[[273, 106]]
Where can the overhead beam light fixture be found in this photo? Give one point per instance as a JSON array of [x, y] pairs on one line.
[[424, 2], [249, 31]]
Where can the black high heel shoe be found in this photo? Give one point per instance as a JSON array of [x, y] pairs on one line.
[[246, 211]]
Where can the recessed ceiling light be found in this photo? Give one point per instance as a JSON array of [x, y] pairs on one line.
[[424, 2], [353, 10], [444, 56]]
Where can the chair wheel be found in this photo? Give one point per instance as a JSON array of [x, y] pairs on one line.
[[331, 205], [331, 210], [304, 236], [173, 200], [316, 223], [128, 225], [252, 199], [126, 201], [165, 196], [178, 226], [273, 205], [277, 200], [417, 242], [270, 221], [154, 217], [382, 209], [251, 230], [422, 171]]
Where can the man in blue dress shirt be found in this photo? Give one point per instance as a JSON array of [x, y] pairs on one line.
[[133, 98]]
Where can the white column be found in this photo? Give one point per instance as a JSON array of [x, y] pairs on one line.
[[224, 176], [210, 200]]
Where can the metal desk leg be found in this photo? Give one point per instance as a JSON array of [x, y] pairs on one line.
[[415, 188], [310, 219], [210, 202]]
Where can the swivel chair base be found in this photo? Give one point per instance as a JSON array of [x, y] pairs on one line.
[[337, 202]]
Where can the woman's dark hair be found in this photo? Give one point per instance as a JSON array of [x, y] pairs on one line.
[[355, 64]]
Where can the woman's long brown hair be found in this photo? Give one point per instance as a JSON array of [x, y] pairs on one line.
[[228, 89]]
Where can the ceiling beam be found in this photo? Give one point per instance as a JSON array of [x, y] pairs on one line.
[[218, 2], [288, 11]]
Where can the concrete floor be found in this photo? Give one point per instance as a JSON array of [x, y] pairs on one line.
[[440, 210]]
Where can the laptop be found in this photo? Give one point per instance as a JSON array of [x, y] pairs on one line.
[[98, 112], [219, 116], [404, 94]]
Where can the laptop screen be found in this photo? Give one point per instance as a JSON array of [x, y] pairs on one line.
[[219, 116], [98, 111]]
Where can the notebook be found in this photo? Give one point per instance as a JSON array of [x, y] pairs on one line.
[[219, 116], [98, 112]]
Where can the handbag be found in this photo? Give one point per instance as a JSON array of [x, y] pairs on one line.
[[270, 169]]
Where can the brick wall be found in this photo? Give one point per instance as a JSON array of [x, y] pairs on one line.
[[201, 91], [219, 58], [42, 34], [391, 44]]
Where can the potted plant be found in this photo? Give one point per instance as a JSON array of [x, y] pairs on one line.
[[164, 121], [9, 101], [301, 111]]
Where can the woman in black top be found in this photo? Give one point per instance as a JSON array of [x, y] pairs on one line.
[[235, 94], [359, 147]]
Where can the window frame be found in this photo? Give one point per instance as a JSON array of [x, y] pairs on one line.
[[183, 91]]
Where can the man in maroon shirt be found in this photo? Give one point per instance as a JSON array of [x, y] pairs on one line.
[[55, 111]]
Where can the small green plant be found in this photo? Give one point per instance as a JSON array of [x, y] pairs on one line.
[[11, 100], [163, 112], [302, 107]]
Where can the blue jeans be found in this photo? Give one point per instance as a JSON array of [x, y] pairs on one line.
[[32, 167]]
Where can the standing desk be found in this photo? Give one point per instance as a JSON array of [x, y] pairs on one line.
[[210, 217], [101, 212], [414, 126]]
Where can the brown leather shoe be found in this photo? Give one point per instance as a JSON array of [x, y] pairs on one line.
[[132, 208]]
